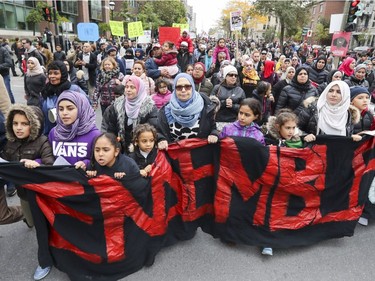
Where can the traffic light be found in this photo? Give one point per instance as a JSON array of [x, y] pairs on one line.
[[47, 14], [355, 9]]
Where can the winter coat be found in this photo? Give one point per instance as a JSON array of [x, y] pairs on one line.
[[352, 82], [105, 92], [276, 90], [5, 61], [273, 136], [204, 87], [123, 163], [207, 124], [188, 40], [217, 50], [4, 97], [236, 130], [308, 117], [33, 88], [365, 123], [33, 52], [141, 161], [35, 147], [167, 59], [115, 119], [291, 97], [222, 92], [317, 76], [91, 66]]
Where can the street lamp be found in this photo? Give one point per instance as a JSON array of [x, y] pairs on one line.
[[112, 5]]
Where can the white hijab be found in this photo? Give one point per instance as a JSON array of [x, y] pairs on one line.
[[332, 119]]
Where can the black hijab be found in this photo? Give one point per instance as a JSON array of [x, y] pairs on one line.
[[65, 84], [296, 84]]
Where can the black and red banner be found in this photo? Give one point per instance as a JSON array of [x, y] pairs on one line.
[[238, 190]]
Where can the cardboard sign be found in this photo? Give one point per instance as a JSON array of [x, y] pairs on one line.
[[135, 29], [169, 34], [117, 28], [235, 21], [88, 31], [182, 26]]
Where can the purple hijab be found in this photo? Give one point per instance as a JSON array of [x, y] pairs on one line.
[[85, 121]]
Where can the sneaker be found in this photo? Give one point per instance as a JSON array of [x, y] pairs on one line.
[[267, 252], [40, 273], [363, 221], [11, 192]]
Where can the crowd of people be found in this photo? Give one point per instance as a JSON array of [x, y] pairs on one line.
[[192, 88]]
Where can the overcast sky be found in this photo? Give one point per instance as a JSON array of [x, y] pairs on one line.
[[208, 12]]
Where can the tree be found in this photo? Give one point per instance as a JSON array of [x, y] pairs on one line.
[[322, 32], [291, 14], [35, 16]]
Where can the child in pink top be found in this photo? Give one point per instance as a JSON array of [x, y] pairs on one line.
[[220, 47], [162, 93]]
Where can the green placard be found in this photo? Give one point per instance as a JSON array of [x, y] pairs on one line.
[[135, 29], [117, 28]]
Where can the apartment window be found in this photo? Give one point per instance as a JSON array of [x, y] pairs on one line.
[[321, 8], [314, 10], [69, 7], [96, 9]]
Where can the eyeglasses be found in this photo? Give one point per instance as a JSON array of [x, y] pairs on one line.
[[232, 75], [186, 87]]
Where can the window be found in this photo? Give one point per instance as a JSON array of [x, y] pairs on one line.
[[321, 8], [314, 10], [69, 7], [96, 9], [10, 17]]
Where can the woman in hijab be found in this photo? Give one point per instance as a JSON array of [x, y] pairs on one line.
[[333, 75], [248, 77], [347, 67], [201, 83], [332, 114], [189, 114], [318, 74], [358, 78], [135, 107], [279, 86], [268, 74], [35, 80], [293, 95], [58, 77]]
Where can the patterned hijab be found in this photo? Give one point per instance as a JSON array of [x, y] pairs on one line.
[[132, 106], [85, 121], [186, 113], [332, 119], [36, 70]]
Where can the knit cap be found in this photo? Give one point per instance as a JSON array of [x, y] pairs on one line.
[[228, 69], [360, 66], [355, 91]]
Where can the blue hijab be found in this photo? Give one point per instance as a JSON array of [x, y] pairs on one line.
[[186, 113]]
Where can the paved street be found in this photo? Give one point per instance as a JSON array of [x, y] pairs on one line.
[[204, 258]]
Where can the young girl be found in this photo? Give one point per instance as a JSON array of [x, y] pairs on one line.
[[168, 59], [26, 144], [282, 130], [220, 47], [139, 70], [109, 76], [189, 69], [163, 94], [144, 154], [265, 97], [107, 159], [250, 110]]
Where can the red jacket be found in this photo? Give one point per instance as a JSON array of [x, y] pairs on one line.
[[188, 40], [167, 59]]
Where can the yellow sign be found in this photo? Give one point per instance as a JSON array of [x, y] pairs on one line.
[[182, 26], [117, 28], [135, 29]]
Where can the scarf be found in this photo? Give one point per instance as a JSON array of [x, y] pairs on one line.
[[132, 106], [316, 62], [301, 87], [185, 113], [106, 76], [200, 79], [250, 76], [332, 119], [268, 68], [345, 67], [85, 121], [37, 68]]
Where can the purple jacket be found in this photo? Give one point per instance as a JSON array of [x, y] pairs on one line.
[[78, 149], [160, 99], [236, 130]]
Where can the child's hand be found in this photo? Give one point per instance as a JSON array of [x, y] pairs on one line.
[[309, 138], [212, 139], [271, 98], [143, 173], [80, 164], [31, 164], [91, 174], [356, 137], [119, 175], [163, 145]]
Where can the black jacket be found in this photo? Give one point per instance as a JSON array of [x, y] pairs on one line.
[[5, 61], [364, 123], [91, 66], [207, 124], [140, 160]]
